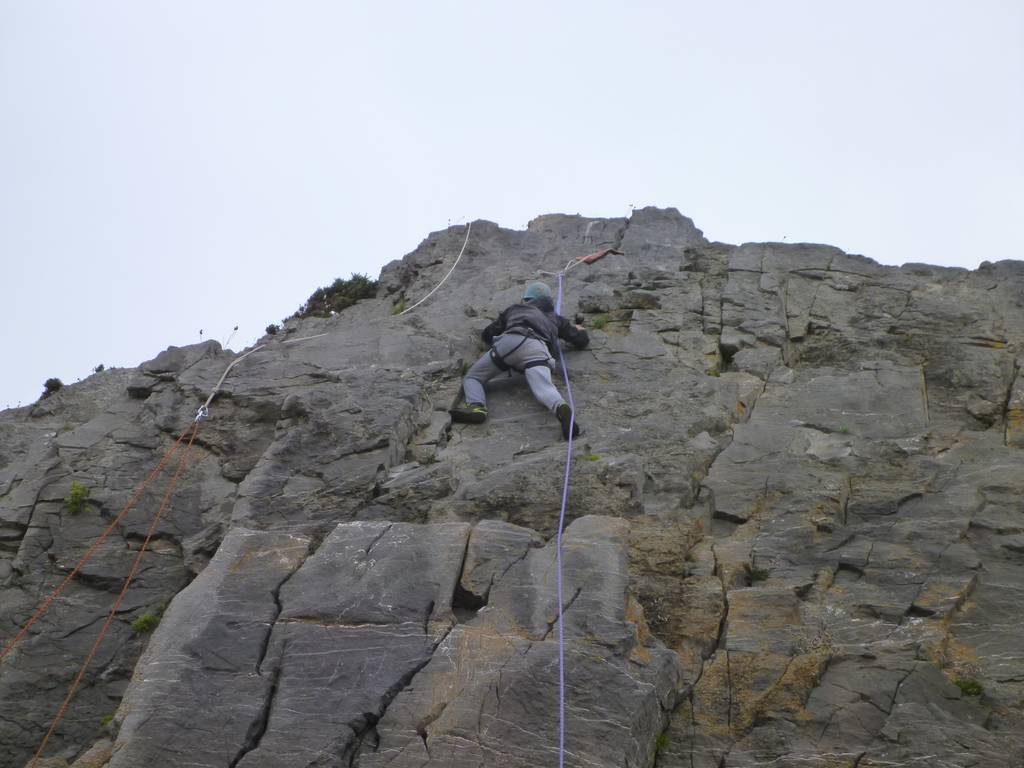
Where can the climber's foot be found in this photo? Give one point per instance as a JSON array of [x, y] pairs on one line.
[[564, 414], [470, 413]]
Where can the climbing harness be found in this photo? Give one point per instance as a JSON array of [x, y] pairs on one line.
[[499, 360]]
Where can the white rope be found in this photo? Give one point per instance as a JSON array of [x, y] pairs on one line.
[[204, 410], [469, 229], [572, 263], [304, 338]]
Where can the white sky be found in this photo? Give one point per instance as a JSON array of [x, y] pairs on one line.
[[167, 167]]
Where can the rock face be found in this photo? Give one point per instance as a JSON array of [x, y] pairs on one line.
[[795, 533]]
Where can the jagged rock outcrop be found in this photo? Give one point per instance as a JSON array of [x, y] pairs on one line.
[[795, 524]]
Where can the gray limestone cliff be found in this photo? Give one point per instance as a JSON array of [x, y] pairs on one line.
[[795, 528]]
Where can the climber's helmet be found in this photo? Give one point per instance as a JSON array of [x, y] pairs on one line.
[[536, 291]]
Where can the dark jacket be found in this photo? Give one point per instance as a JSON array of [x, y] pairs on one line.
[[536, 318]]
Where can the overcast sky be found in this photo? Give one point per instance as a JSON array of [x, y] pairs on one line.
[[167, 167]]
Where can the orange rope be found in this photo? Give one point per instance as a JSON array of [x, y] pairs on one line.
[[120, 598], [45, 605]]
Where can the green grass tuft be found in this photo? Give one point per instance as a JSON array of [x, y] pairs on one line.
[[758, 574], [599, 322], [592, 457], [147, 622], [76, 498], [969, 686]]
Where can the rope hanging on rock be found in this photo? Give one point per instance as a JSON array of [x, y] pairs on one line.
[[588, 259], [201, 415], [124, 591], [46, 603], [204, 409], [558, 545], [44, 606], [469, 228]]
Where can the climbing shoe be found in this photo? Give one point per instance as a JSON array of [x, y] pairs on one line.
[[470, 413], [564, 414]]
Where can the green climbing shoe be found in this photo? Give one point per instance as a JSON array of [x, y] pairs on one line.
[[469, 413]]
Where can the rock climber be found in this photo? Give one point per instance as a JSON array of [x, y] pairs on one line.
[[524, 339]]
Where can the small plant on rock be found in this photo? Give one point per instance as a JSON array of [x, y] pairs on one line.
[[147, 622], [272, 329], [969, 686], [599, 322], [337, 296], [99, 368], [50, 386], [76, 498]]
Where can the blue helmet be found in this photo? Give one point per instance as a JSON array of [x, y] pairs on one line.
[[537, 291]]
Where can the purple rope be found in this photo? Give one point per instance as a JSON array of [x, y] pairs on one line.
[[558, 549]]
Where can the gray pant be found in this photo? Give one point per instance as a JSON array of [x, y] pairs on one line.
[[516, 351]]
